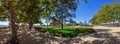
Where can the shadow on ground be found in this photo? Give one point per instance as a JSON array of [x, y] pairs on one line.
[[104, 34], [38, 36]]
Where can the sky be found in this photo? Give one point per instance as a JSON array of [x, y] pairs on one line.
[[85, 11]]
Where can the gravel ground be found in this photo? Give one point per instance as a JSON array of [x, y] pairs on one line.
[[103, 35]]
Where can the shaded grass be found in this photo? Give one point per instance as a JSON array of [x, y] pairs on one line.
[[85, 30]]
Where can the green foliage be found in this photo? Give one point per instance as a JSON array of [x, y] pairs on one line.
[[55, 22], [30, 13], [119, 21], [40, 9], [101, 16], [63, 10], [67, 31], [85, 30], [109, 12], [64, 33], [73, 23], [3, 15]]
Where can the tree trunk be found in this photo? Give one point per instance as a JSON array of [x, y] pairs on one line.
[[47, 25], [62, 15], [62, 22], [30, 25], [62, 25], [14, 39]]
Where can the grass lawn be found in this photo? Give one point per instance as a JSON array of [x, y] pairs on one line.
[[68, 31]]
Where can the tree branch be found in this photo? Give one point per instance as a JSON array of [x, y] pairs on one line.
[[7, 3], [21, 3]]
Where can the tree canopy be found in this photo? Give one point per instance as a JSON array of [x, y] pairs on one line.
[[109, 12]]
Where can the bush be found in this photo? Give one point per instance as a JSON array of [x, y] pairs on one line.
[[67, 31], [85, 30]]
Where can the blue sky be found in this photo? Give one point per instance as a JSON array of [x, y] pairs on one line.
[[86, 11]]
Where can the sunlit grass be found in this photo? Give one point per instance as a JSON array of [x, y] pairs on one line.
[[68, 31]]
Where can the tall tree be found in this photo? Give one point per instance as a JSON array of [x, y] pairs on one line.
[[66, 10], [11, 7], [30, 13], [108, 13], [34, 10]]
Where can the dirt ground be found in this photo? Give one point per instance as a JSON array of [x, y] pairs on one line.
[[103, 35]]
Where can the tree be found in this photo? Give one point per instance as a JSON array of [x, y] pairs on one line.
[[11, 6], [30, 9], [34, 10], [108, 13], [3, 15], [115, 10], [46, 9], [101, 16], [30, 13], [55, 22], [73, 23], [64, 7], [81, 23]]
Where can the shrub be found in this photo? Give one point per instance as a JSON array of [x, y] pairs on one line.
[[67, 31], [85, 30]]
